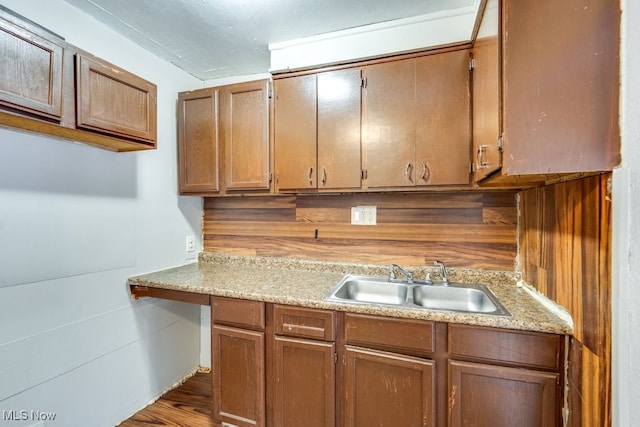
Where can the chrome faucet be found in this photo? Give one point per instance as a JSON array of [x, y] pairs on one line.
[[443, 272], [392, 273]]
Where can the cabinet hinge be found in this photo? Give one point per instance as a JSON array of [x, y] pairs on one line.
[[270, 89], [270, 177], [500, 142], [335, 358], [363, 174], [471, 167], [472, 63], [364, 83]]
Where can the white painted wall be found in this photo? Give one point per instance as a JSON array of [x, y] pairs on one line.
[[75, 222], [626, 232]]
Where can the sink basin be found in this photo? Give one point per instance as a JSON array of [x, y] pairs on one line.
[[459, 297]]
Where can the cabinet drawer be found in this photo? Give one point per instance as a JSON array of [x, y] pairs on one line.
[[498, 345], [398, 335], [304, 322], [237, 312]]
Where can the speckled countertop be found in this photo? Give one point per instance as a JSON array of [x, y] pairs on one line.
[[304, 283]]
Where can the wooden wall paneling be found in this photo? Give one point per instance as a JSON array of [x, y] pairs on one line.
[[466, 230], [565, 247]]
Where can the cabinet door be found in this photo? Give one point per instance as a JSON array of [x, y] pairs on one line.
[[244, 125], [304, 383], [198, 156], [389, 130], [339, 150], [443, 128], [295, 132], [114, 101], [238, 376], [493, 396], [560, 86], [486, 94], [387, 390], [30, 71]]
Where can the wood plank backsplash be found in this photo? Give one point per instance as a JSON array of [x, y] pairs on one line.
[[462, 229], [565, 250]]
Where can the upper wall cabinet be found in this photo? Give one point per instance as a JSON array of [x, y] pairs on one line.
[[113, 101], [51, 87], [416, 121], [223, 140], [317, 131], [555, 66], [31, 70]]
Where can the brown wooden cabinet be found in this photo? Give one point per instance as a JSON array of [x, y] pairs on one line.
[[198, 143], [556, 69], [113, 101], [317, 131], [238, 355], [416, 121], [51, 87], [223, 139], [244, 135], [303, 377]]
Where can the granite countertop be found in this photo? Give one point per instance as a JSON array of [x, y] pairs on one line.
[[304, 283]]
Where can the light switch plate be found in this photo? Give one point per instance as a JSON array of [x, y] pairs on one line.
[[364, 215]]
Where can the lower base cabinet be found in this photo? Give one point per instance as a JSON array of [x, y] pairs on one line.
[[283, 366], [388, 390]]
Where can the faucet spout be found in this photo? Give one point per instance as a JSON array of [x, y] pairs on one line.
[[443, 272], [392, 273]]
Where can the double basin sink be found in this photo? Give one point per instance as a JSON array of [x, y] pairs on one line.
[[458, 297]]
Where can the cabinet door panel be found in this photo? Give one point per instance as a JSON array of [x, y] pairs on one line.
[[388, 390], [389, 123], [245, 135], [295, 132], [198, 155], [238, 376], [114, 101], [339, 150], [443, 132], [30, 71], [304, 383], [494, 396]]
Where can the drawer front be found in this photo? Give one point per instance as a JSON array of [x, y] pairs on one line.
[[304, 322], [398, 335], [505, 346], [237, 312]]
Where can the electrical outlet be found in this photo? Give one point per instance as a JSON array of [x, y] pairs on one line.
[[191, 244], [364, 215]]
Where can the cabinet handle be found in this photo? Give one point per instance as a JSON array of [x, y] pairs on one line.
[[481, 157], [426, 172], [310, 175], [407, 172], [324, 176]]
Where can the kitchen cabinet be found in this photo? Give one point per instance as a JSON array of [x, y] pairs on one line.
[[503, 378], [223, 139], [238, 368], [198, 143], [113, 101], [317, 131], [389, 379], [51, 87], [555, 69], [303, 375], [244, 135], [416, 121]]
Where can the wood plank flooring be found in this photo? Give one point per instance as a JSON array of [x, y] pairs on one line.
[[187, 405]]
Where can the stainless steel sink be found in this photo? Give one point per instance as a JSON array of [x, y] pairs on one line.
[[459, 297]]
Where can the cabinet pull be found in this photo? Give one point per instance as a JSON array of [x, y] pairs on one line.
[[407, 172], [310, 175], [481, 157], [426, 172], [324, 176]]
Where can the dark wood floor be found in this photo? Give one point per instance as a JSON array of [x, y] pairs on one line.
[[186, 406]]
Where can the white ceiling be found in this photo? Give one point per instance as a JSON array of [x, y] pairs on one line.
[[218, 38]]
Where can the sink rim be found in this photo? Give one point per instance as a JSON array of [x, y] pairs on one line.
[[411, 288]]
